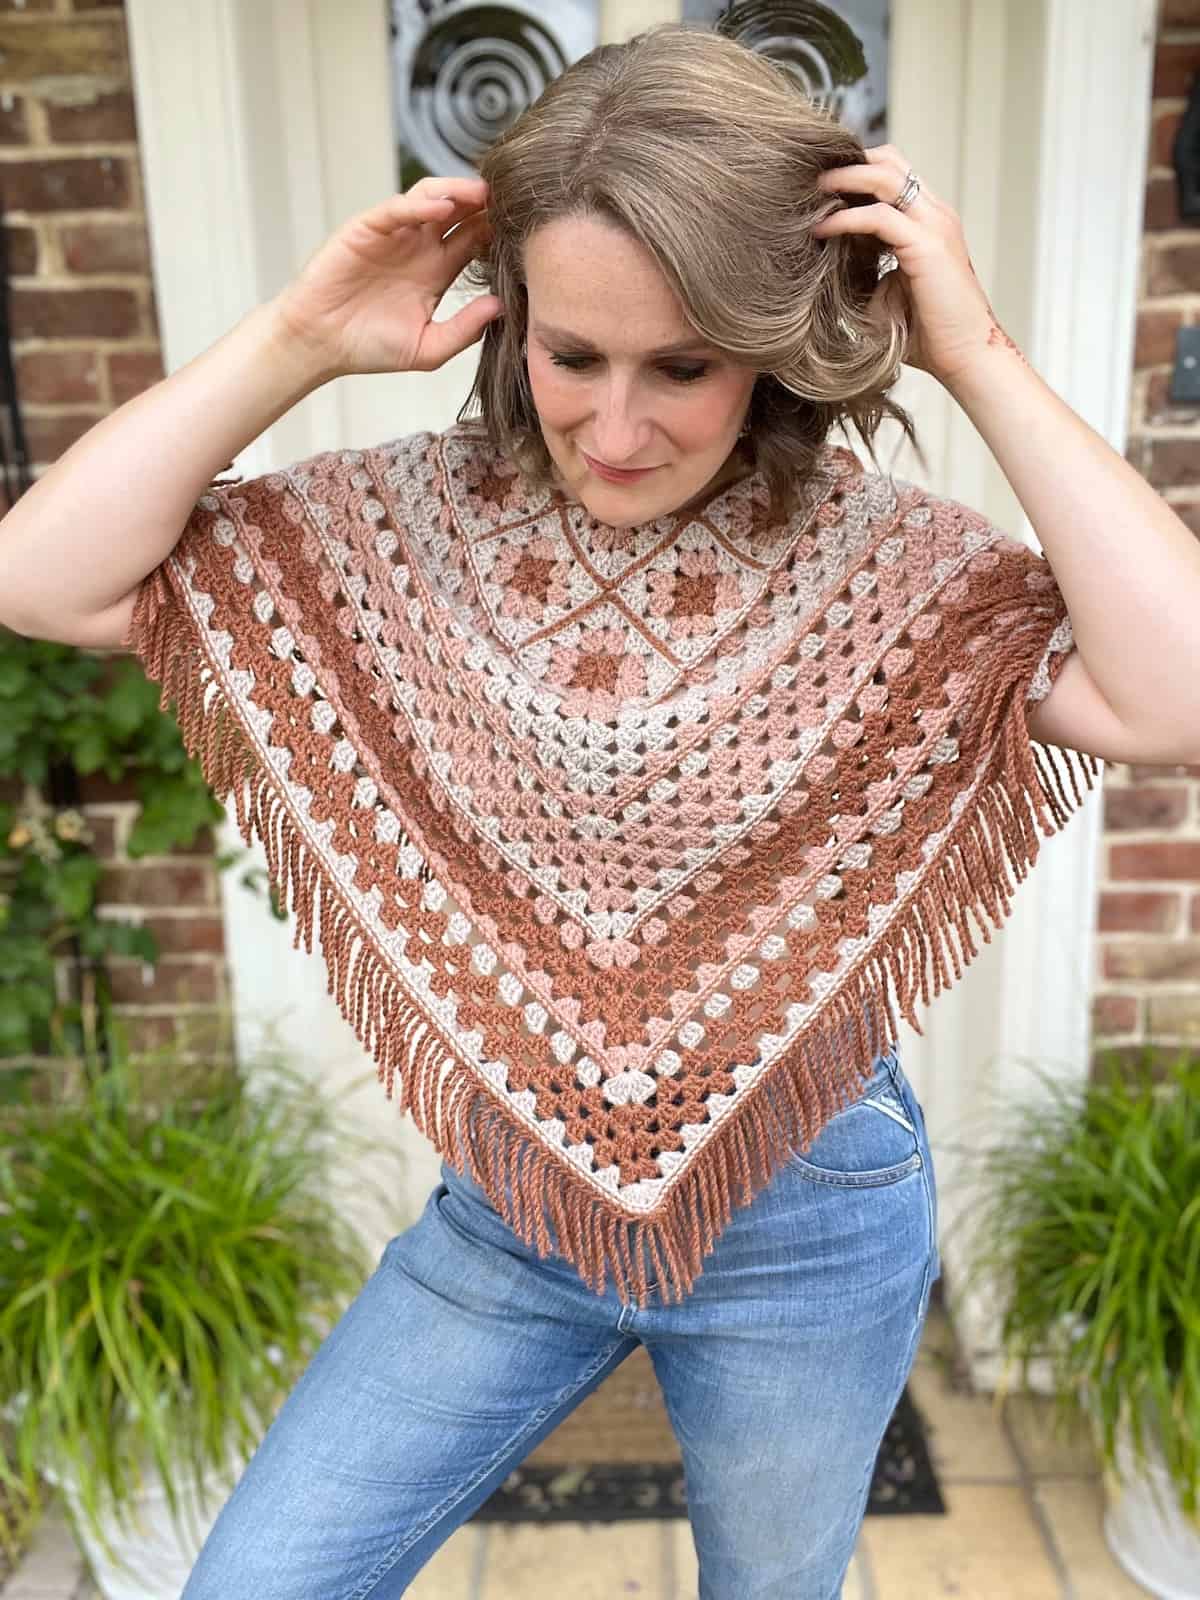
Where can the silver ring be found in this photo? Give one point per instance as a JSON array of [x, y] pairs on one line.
[[910, 191]]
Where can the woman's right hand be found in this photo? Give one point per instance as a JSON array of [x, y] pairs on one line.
[[365, 301]]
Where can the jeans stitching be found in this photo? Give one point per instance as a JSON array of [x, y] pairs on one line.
[[931, 1204], [892, 1106], [896, 1073], [877, 1177]]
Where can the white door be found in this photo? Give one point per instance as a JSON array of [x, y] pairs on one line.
[[263, 127]]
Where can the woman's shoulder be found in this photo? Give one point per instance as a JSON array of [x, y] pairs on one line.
[[468, 436], [457, 448], [918, 524], [917, 502], [462, 438]]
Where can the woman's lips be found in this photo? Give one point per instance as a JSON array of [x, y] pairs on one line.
[[612, 473]]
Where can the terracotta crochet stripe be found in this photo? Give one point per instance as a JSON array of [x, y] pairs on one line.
[[632, 1136]]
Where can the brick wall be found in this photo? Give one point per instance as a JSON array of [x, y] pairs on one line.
[[1148, 946], [85, 339]]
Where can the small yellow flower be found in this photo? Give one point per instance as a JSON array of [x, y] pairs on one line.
[[70, 825], [19, 837]]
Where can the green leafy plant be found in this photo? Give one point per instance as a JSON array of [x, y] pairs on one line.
[[61, 704], [48, 902], [172, 1252], [65, 710], [1087, 1223]]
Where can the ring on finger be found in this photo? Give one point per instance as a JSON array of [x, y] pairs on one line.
[[910, 191]]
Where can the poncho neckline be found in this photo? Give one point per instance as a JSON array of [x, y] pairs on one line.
[[624, 848]]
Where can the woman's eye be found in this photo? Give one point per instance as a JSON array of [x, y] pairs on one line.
[[676, 374]]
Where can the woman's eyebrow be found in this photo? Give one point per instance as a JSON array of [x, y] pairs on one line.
[[562, 336]]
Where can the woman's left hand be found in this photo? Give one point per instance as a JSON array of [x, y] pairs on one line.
[[934, 285]]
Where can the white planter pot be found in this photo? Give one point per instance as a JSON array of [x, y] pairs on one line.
[[1145, 1528], [152, 1554]]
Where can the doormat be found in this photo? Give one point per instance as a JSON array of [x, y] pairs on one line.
[[903, 1482]]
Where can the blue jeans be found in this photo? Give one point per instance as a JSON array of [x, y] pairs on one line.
[[464, 1349]]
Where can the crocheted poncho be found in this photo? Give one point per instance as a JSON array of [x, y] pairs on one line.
[[624, 847]]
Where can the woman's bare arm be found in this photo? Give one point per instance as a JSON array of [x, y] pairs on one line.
[[77, 544]]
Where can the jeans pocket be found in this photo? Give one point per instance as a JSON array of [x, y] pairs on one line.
[[874, 1140]]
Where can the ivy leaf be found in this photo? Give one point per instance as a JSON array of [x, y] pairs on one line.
[[106, 937], [37, 1000], [174, 809], [74, 885], [90, 750], [21, 954], [131, 703], [31, 766], [16, 1038], [14, 677]]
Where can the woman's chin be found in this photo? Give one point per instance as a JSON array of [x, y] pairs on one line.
[[619, 513]]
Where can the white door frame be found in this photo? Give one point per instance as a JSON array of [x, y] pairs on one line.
[[262, 126], [1052, 99]]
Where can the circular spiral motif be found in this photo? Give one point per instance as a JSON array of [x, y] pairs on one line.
[[463, 71], [833, 60], [466, 77]]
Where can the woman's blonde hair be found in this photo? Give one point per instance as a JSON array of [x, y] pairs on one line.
[[707, 153]]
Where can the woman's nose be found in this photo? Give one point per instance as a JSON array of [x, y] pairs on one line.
[[621, 433]]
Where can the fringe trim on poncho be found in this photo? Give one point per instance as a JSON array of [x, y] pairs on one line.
[[326, 585]]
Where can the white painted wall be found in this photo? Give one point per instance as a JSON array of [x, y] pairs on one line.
[[1046, 169]]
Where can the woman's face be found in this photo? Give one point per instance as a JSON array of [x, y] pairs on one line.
[[620, 379]]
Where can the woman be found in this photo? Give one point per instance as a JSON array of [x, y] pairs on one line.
[[766, 719]]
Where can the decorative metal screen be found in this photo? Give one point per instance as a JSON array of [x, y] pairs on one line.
[[463, 71], [836, 48]]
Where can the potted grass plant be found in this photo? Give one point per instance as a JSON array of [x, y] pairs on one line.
[[1086, 1224], [172, 1252]]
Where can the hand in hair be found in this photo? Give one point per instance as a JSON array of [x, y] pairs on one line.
[[934, 287], [365, 300]]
